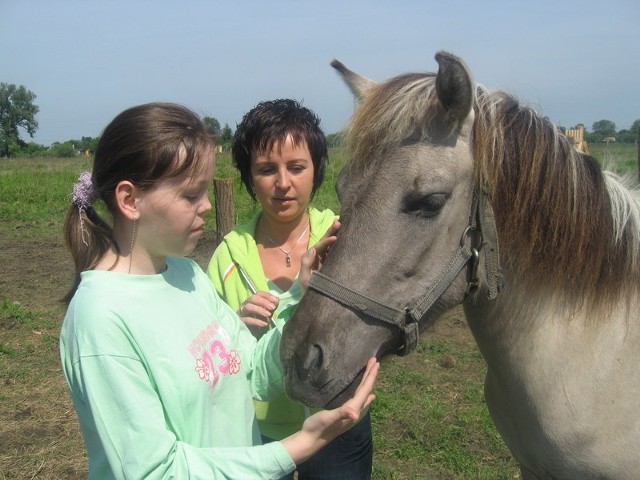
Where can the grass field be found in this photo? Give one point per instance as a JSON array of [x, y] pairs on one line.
[[429, 419], [622, 158]]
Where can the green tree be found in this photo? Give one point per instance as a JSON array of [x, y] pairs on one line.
[[32, 149], [86, 144], [226, 136], [17, 111], [62, 150], [604, 127], [335, 139], [635, 128], [213, 125], [625, 136]]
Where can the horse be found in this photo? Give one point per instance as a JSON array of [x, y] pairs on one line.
[[457, 194]]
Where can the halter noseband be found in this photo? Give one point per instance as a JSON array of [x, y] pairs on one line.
[[480, 234]]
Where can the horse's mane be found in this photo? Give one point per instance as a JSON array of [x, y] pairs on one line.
[[562, 221]]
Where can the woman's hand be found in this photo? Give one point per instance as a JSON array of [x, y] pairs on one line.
[[255, 312], [322, 427], [315, 256]]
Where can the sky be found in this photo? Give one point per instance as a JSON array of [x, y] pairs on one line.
[[87, 60]]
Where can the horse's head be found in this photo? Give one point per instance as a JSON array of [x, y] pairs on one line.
[[406, 199]]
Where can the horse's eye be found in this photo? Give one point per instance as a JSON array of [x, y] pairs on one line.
[[427, 206]]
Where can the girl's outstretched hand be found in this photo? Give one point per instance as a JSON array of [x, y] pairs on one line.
[[322, 427], [315, 256]]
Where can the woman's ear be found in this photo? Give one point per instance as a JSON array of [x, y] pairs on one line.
[[126, 195]]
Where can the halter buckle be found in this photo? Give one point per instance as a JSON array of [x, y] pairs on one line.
[[474, 236], [472, 276]]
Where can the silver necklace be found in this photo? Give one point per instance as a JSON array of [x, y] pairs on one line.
[[287, 256]]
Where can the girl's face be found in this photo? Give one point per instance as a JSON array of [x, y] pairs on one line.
[[171, 217], [283, 180]]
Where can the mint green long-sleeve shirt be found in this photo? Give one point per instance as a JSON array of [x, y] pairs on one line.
[[162, 374]]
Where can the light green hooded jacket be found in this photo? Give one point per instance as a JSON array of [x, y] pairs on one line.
[[235, 269]]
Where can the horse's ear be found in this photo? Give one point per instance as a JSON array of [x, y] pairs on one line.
[[358, 84], [454, 87]]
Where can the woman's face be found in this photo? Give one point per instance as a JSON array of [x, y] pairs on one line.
[[283, 180]]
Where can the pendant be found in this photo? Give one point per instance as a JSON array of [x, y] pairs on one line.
[[287, 259]]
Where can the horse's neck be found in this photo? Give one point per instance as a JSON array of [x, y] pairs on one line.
[[557, 375], [522, 324]]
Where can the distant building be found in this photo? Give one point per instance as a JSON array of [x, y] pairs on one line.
[[577, 135]]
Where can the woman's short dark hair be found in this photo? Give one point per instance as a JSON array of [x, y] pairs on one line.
[[269, 123]]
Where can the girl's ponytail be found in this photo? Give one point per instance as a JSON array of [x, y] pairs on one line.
[[86, 234]]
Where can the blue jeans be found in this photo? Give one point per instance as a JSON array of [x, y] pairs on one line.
[[347, 457]]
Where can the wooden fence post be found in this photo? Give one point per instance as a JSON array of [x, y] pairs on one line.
[[223, 193]]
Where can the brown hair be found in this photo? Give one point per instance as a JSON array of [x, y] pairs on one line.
[[140, 145]]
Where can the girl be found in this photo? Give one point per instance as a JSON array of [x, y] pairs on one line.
[[161, 371]]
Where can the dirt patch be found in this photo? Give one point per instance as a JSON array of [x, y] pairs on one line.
[[37, 271]]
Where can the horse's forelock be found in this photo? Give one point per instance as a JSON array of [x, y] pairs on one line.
[[562, 222], [391, 112]]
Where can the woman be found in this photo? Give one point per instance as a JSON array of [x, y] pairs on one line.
[[161, 371], [281, 154]]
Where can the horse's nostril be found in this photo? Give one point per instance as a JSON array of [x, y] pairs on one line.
[[309, 362]]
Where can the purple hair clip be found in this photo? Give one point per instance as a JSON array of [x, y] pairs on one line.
[[84, 194]]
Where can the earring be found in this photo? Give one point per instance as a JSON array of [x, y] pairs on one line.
[[133, 240], [133, 236]]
